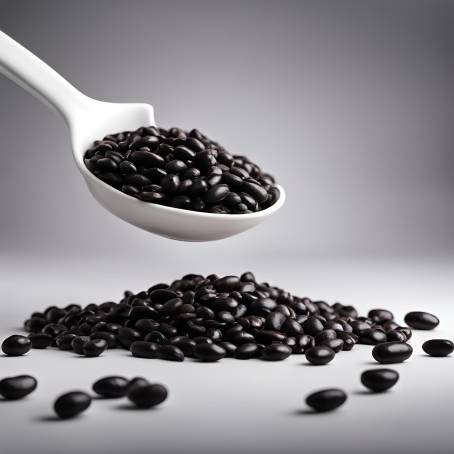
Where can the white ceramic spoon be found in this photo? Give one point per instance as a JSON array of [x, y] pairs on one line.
[[88, 120]]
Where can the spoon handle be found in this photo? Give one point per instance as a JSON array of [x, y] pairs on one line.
[[35, 76]]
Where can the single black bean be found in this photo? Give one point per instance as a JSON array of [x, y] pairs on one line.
[[276, 352], [320, 355], [335, 344], [246, 351], [71, 404], [209, 352], [326, 400], [16, 345], [217, 193], [64, 341], [379, 380], [78, 343], [421, 320], [13, 388], [94, 347], [392, 352], [40, 340], [371, 336], [145, 349], [438, 347], [147, 395], [171, 353], [111, 386]]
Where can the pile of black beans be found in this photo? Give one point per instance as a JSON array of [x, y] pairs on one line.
[[211, 317], [181, 169]]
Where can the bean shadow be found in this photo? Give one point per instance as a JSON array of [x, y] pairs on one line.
[[131, 407], [49, 418], [304, 411]]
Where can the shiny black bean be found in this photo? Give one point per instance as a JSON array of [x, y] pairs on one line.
[[326, 400], [275, 320], [371, 336], [16, 345], [111, 386], [71, 404], [421, 320], [276, 352], [258, 192], [381, 315], [94, 347], [78, 343], [126, 336], [392, 352], [147, 395], [379, 380], [13, 388], [246, 351], [320, 355], [64, 341], [438, 347], [209, 352], [40, 340], [171, 353], [334, 344], [217, 193], [145, 349]]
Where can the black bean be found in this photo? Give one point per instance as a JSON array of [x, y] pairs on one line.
[[145, 349], [209, 352], [170, 183], [171, 353], [184, 153], [334, 344], [312, 326], [195, 144], [126, 336], [78, 343], [438, 347], [186, 345], [64, 341], [217, 193], [320, 355], [326, 400], [137, 180], [94, 347], [152, 197], [71, 404], [16, 345], [381, 315], [147, 395], [112, 386], [246, 351], [227, 284], [392, 352], [13, 388], [127, 168], [396, 336], [228, 347], [130, 190], [40, 340], [421, 320], [276, 352], [258, 192], [371, 336], [175, 166], [110, 338], [379, 380], [146, 159], [275, 320]]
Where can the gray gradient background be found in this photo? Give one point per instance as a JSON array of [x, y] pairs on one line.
[[350, 105]]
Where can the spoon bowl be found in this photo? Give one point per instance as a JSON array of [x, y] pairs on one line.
[[89, 120]]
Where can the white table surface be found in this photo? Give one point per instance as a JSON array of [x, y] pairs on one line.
[[234, 406]]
